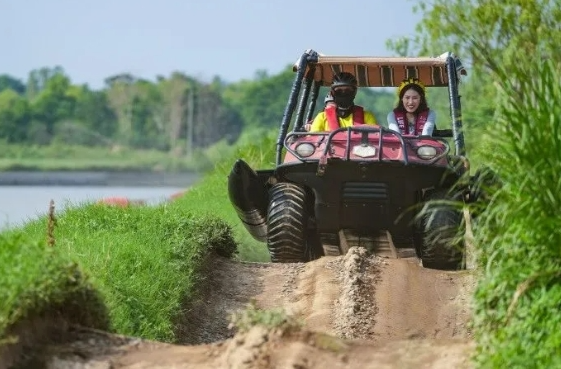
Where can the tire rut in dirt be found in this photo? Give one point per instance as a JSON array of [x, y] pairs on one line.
[[304, 290], [418, 303], [356, 296], [229, 287], [287, 218]]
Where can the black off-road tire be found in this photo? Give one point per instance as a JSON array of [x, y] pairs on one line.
[[440, 238], [288, 238]]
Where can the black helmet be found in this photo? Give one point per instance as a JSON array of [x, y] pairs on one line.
[[344, 79], [344, 97]]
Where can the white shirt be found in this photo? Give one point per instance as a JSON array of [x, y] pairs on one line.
[[427, 129]]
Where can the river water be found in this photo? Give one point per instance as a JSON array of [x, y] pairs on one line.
[[21, 203]]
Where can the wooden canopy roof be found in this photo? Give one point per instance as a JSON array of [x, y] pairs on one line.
[[382, 71]]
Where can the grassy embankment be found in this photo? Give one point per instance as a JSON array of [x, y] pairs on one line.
[[130, 270], [67, 157], [211, 196], [517, 301], [135, 266]]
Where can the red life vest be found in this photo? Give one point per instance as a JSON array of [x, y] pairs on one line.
[[333, 120], [419, 122]]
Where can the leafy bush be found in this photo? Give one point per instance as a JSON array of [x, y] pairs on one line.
[[210, 194], [517, 300]]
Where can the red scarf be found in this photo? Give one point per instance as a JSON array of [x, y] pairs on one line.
[[420, 121]]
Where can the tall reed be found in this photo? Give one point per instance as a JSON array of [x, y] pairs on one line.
[[518, 298]]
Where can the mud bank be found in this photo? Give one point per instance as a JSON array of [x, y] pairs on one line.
[[95, 178]]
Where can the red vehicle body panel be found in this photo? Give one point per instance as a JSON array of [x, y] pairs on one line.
[[391, 148]]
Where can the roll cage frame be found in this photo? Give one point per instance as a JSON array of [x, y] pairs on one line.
[[311, 74]]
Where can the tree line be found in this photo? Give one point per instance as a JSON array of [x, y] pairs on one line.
[[173, 113], [180, 113], [130, 111]]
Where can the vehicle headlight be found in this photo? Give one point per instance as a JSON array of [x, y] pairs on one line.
[[305, 149], [426, 152]]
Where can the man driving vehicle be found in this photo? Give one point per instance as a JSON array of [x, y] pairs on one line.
[[344, 112]]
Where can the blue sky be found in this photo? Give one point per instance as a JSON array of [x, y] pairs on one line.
[[93, 39]]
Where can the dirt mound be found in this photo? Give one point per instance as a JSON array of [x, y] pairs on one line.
[[356, 310]]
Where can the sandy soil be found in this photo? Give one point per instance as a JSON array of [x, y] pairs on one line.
[[358, 312]]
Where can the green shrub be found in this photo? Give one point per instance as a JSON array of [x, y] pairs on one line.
[[517, 316], [210, 194]]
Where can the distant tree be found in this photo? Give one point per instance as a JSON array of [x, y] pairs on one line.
[[214, 119], [54, 103], [15, 116], [146, 107], [174, 103], [38, 79], [121, 93], [261, 74], [261, 102], [7, 81], [93, 111]]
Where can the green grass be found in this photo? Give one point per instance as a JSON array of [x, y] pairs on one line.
[[145, 263], [38, 279], [517, 300], [210, 195], [130, 270]]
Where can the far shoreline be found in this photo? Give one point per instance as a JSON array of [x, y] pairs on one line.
[[98, 178]]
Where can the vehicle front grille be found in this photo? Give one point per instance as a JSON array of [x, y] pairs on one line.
[[375, 192]]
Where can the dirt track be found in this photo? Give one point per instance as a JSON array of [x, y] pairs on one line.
[[383, 313]]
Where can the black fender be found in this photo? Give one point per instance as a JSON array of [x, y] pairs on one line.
[[248, 194]]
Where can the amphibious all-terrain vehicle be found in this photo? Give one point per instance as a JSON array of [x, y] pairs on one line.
[[363, 185]]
